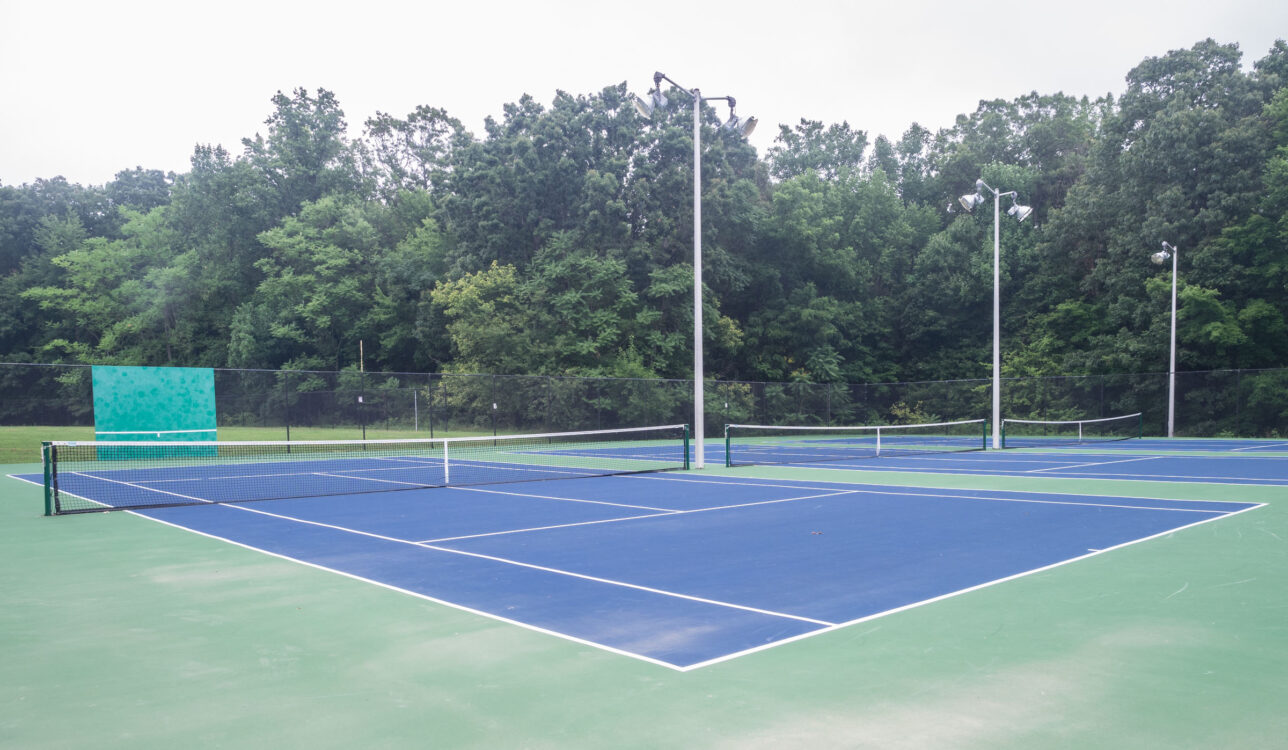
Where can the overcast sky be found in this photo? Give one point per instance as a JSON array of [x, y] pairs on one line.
[[91, 88]]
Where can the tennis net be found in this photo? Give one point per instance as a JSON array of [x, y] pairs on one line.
[[93, 476], [1037, 433], [778, 444]]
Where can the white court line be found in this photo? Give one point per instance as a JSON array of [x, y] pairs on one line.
[[1260, 447], [138, 487], [416, 594], [936, 491], [466, 463], [949, 496], [1015, 473], [1230, 481], [466, 488], [935, 494], [99, 503], [1097, 463], [371, 479], [543, 568], [428, 542], [662, 514], [959, 592], [222, 477]]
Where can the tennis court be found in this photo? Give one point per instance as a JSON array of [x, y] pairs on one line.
[[679, 570], [740, 573], [1158, 465]]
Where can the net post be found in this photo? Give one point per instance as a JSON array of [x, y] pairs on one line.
[[47, 458], [728, 461], [447, 471], [686, 447]]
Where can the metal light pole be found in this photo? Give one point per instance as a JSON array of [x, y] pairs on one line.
[[970, 201], [743, 127], [1170, 251]]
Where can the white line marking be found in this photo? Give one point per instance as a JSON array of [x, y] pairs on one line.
[[1260, 447], [531, 566], [542, 528], [417, 594], [662, 514], [1097, 463], [138, 487], [565, 499], [41, 485], [1005, 474], [946, 493], [952, 594], [373, 479]]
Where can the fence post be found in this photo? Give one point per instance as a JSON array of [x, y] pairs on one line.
[[362, 408], [1238, 399], [286, 405], [430, 392]]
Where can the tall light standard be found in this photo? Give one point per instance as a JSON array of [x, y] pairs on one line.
[[1020, 213], [1169, 251], [734, 124]]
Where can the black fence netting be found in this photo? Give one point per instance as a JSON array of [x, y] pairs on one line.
[[350, 403]]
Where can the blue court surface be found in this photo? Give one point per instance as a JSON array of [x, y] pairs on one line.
[[686, 569]]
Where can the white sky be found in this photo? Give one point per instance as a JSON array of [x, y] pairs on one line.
[[91, 88]]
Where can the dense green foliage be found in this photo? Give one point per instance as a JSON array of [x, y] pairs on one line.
[[559, 242]]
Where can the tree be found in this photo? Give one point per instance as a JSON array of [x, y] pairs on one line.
[[140, 189], [306, 154], [115, 300], [315, 300], [829, 152], [415, 153]]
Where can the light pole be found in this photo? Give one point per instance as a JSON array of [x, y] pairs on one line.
[[1169, 251], [734, 124], [969, 202]]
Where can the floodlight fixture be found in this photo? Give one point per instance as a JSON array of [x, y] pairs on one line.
[[1018, 211], [657, 100], [970, 200], [642, 107], [739, 125]]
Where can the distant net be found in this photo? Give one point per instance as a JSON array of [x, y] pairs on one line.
[[1036, 433], [92, 476], [780, 444]]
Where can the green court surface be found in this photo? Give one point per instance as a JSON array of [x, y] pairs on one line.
[[120, 632]]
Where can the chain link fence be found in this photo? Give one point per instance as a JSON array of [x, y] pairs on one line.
[[1234, 403]]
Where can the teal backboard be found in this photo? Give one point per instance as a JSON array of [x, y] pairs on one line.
[[154, 403]]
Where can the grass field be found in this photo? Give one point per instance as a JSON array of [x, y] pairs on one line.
[[119, 632]]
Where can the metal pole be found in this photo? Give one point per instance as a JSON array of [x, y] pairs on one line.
[[699, 417], [997, 317], [1171, 367]]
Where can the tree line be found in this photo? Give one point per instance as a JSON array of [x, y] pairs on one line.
[[559, 241]]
